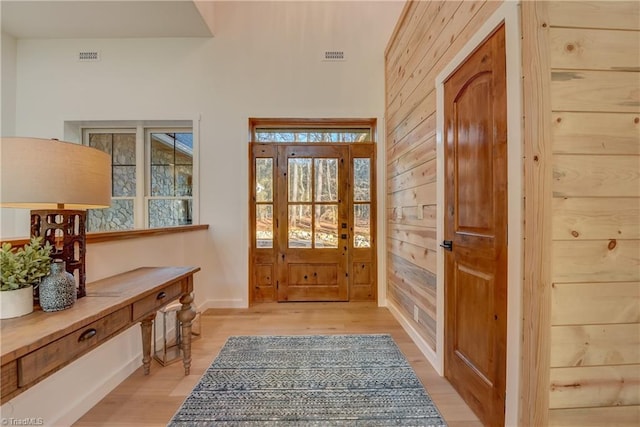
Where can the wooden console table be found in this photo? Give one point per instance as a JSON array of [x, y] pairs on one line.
[[38, 344]]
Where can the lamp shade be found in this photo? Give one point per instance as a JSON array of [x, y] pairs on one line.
[[49, 174]]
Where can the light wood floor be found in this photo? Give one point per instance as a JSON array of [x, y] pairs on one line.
[[152, 400]]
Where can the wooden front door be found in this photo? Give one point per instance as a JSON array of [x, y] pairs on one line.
[[476, 230], [313, 248], [312, 210]]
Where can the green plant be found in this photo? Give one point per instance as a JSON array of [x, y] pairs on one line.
[[25, 266]]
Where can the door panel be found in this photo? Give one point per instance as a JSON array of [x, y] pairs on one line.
[[314, 250], [476, 223], [309, 205]]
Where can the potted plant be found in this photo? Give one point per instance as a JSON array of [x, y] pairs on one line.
[[21, 270]]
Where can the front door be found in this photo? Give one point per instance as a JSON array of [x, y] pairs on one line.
[[312, 210], [313, 245], [476, 230]]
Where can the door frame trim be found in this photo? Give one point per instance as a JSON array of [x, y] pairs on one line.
[[509, 14]]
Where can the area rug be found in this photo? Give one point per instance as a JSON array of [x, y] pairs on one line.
[[319, 380]]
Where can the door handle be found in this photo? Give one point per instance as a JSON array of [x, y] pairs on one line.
[[447, 245]]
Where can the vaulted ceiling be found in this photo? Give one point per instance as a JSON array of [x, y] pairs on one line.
[[106, 18]]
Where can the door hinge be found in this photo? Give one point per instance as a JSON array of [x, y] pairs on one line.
[[277, 284], [277, 223]]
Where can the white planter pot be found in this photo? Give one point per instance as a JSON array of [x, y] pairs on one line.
[[16, 303]]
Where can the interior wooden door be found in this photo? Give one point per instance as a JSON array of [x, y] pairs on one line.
[[476, 230], [313, 244]]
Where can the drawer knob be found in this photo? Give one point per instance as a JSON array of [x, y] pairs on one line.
[[161, 295], [89, 333]]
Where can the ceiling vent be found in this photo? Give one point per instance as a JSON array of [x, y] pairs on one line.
[[89, 56], [333, 55]]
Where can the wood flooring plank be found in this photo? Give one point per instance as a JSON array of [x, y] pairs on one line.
[[152, 400]]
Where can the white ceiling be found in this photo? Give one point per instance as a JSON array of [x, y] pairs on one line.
[[102, 19]]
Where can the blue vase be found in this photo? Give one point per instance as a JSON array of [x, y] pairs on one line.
[[58, 288]]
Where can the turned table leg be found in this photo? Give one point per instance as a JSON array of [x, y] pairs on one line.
[[146, 325], [186, 315]]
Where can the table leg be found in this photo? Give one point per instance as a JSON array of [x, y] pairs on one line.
[[146, 325], [186, 315]]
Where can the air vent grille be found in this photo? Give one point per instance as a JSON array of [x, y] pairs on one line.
[[334, 55], [88, 56]]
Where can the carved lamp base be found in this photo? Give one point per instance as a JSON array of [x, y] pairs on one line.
[[64, 229]]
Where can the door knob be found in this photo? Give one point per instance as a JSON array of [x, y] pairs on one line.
[[447, 245]]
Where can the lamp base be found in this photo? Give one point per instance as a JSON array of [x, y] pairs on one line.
[[64, 229]]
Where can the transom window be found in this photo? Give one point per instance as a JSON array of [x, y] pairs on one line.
[[293, 136]]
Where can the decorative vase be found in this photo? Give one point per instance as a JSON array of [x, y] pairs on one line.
[[16, 303], [58, 288]]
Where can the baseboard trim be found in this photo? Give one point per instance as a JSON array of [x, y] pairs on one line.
[[223, 303], [89, 400], [420, 342]]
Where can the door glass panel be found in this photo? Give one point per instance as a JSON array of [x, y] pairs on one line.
[[326, 225], [299, 230], [264, 180], [361, 226], [326, 173], [362, 180], [299, 172], [264, 226]]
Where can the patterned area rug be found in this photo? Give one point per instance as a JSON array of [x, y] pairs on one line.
[[330, 380]]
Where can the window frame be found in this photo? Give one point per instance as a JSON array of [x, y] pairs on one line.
[[322, 124], [147, 172], [143, 164]]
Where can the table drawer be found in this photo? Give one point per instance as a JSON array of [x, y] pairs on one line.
[[9, 379], [154, 301], [60, 352]]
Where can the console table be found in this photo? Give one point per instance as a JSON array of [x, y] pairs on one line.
[[38, 344]]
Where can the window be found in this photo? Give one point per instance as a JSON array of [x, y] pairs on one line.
[[152, 177], [311, 135]]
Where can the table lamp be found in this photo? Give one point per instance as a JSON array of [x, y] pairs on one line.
[[58, 181]]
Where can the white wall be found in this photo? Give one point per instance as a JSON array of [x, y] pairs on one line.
[[8, 86], [264, 61], [8, 66]]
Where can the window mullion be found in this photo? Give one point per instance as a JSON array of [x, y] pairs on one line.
[[140, 209]]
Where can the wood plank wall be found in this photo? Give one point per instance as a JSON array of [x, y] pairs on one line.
[[428, 36], [594, 59], [581, 347]]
